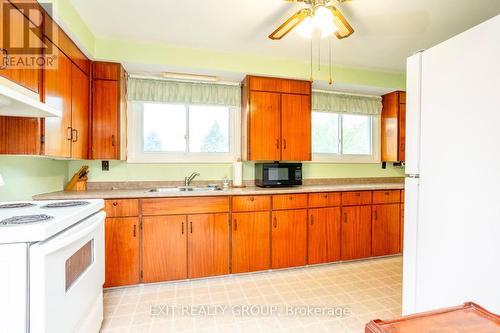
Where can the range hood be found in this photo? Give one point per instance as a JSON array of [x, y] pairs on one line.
[[17, 101]]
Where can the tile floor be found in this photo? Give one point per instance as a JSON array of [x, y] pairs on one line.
[[327, 298]]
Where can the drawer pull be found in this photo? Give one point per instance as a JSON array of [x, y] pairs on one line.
[[345, 217], [115, 203], [325, 196], [252, 198], [386, 193], [191, 226], [358, 194], [235, 224], [290, 198], [182, 229], [375, 215], [277, 143], [275, 223], [134, 232]]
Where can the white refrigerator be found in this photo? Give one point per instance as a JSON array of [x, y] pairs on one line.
[[452, 210]]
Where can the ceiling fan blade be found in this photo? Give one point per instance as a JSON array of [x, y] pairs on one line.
[[344, 28], [289, 24]]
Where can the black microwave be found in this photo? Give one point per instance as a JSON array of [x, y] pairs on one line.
[[278, 174]]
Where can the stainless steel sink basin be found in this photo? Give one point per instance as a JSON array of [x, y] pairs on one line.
[[183, 189]]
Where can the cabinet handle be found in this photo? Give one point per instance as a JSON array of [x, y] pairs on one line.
[[235, 224], [345, 217], [358, 194], [115, 203], [290, 198], [5, 64], [312, 219], [74, 135], [325, 196], [375, 215], [191, 226], [386, 193], [182, 229], [284, 143], [277, 143], [134, 233], [69, 133], [275, 223], [252, 198], [113, 140]]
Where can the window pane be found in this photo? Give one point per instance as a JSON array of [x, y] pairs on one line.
[[208, 129], [356, 135], [325, 133], [164, 127]]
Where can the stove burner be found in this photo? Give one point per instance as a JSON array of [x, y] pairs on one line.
[[64, 204], [17, 205], [25, 219]]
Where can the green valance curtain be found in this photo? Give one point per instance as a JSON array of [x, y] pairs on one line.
[[345, 103], [163, 91]]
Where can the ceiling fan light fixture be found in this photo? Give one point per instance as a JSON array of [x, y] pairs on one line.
[[306, 28]]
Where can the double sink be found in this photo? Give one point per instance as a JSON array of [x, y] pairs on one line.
[[184, 189]]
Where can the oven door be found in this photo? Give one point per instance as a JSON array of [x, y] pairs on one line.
[[66, 278]]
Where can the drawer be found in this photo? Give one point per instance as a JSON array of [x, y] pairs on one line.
[[389, 196], [324, 199], [356, 198], [251, 203], [402, 195], [192, 205], [289, 201], [121, 207]]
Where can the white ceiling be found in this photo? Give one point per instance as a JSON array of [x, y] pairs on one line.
[[387, 31]]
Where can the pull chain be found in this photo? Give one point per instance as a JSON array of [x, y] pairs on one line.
[[319, 53], [331, 62]]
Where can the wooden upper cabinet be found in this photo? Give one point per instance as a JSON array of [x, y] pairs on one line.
[[264, 133], [80, 113], [122, 251], [208, 245], [356, 232], [27, 42], [20, 135], [276, 121], [250, 242], [324, 235], [289, 238], [108, 113], [393, 127], [164, 248], [57, 93], [295, 127], [385, 229]]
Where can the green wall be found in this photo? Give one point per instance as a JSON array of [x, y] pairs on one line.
[[122, 171], [26, 176]]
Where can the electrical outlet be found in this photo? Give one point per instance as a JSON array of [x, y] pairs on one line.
[[105, 165]]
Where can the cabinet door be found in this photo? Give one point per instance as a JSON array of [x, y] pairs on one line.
[[26, 40], [208, 245], [385, 229], [122, 251], [250, 242], [57, 89], [289, 238], [402, 132], [356, 232], [164, 248], [20, 135], [295, 127], [80, 109], [264, 127], [105, 111], [324, 235]]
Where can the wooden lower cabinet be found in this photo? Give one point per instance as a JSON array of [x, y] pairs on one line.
[[208, 245], [122, 251], [164, 248], [289, 238], [385, 229], [324, 235], [250, 246], [356, 232]]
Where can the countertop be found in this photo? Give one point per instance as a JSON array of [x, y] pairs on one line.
[[251, 190]]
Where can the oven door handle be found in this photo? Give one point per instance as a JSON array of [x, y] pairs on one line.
[[89, 225]]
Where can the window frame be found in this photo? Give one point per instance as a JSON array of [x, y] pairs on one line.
[[374, 157], [135, 139]]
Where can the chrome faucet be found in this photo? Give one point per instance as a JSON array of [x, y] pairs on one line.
[[189, 179]]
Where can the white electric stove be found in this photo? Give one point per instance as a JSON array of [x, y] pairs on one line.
[[52, 266]]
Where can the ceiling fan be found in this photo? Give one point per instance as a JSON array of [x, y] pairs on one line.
[[320, 15]]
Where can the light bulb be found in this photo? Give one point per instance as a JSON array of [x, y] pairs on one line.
[[323, 21], [306, 27]]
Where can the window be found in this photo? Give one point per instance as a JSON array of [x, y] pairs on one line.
[[344, 137], [164, 132]]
